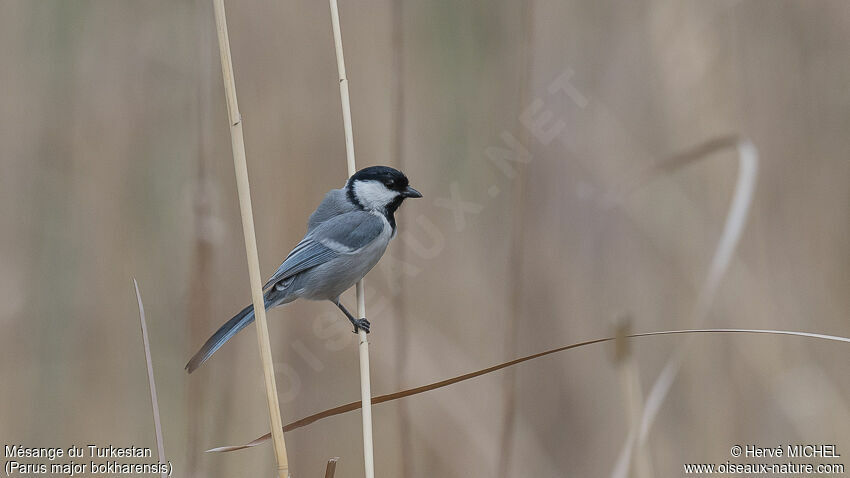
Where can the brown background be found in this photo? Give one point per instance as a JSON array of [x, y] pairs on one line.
[[116, 163]]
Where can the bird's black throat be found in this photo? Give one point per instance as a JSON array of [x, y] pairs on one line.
[[389, 211]]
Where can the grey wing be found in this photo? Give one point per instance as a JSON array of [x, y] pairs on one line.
[[334, 204], [308, 253], [340, 235]]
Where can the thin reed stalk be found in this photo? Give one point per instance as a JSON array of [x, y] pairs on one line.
[[241, 167], [157, 422], [632, 391], [330, 470], [365, 381], [736, 219], [469, 376]]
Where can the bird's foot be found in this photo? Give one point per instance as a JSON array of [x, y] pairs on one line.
[[361, 324]]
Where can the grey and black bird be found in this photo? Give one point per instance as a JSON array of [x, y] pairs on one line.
[[346, 236]]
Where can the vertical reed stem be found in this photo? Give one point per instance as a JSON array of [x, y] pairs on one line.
[[365, 385], [243, 187], [157, 422], [330, 470], [624, 360]]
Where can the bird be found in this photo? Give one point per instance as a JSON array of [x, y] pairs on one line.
[[346, 236]]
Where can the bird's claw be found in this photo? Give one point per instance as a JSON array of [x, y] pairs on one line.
[[361, 324]]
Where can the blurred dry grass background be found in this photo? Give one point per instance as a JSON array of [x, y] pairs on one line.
[[116, 162]]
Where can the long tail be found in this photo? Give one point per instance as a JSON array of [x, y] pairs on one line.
[[222, 335]]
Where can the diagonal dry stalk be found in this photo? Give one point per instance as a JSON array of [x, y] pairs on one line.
[[157, 423], [243, 187], [365, 382], [736, 219], [468, 376]]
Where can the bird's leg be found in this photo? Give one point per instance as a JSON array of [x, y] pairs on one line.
[[358, 323]]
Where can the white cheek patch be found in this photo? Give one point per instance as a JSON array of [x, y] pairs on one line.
[[373, 194]]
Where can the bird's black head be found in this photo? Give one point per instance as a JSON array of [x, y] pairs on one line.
[[380, 188]]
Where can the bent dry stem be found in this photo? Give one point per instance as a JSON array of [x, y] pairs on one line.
[[468, 376]]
